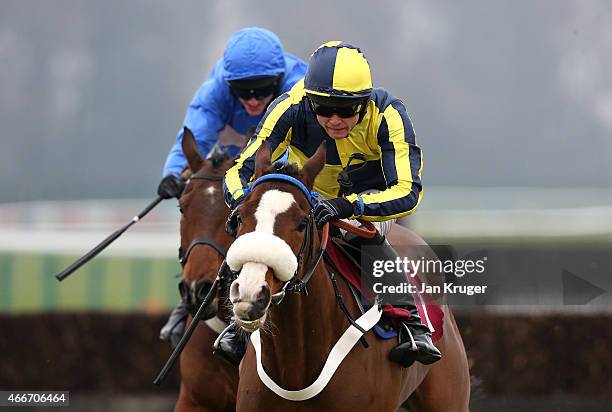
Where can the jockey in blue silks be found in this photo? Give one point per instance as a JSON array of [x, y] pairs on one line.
[[254, 71]]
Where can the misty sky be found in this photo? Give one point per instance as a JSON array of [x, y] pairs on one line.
[[501, 93]]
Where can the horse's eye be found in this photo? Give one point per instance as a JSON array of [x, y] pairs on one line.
[[302, 225]]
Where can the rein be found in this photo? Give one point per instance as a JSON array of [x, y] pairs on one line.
[[295, 284], [298, 285], [357, 328]]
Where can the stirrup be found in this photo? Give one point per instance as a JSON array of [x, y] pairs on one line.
[[408, 352], [221, 335], [413, 346], [234, 350]]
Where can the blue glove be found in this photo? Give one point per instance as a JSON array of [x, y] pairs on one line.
[[333, 209]]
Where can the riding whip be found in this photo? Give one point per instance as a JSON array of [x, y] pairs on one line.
[[102, 245], [185, 175]]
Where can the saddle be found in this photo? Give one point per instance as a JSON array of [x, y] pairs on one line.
[[341, 256]]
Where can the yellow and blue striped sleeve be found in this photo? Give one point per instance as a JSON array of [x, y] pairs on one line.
[[401, 163], [275, 129]]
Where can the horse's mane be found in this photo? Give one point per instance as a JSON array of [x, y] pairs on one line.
[[218, 155]]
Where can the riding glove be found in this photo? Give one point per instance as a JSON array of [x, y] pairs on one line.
[[232, 223], [332, 209], [170, 186]]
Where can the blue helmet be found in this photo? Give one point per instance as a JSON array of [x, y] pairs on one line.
[[252, 53]]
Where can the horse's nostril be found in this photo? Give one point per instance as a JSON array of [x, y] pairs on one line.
[[263, 296], [234, 294]]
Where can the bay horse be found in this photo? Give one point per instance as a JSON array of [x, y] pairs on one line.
[[208, 383], [289, 364]]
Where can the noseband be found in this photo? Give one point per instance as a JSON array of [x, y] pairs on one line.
[[295, 284]]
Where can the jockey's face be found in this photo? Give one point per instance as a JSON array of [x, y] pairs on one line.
[[255, 107], [338, 127]]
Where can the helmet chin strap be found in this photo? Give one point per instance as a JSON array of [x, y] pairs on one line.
[[363, 111], [364, 107]]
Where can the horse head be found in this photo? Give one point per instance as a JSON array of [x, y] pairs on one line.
[[276, 236], [203, 213]]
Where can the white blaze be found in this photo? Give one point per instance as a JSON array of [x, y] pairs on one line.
[[271, 204], [253, 253], [251, 277]]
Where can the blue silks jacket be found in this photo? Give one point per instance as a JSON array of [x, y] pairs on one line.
[[214, 106]]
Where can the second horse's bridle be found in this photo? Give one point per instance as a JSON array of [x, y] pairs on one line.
[[193, 294]]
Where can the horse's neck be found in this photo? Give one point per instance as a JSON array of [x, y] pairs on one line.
[[303, 330]]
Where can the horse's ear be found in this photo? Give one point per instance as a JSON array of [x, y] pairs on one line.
[[191, 151], [262, 160], [314, 165]]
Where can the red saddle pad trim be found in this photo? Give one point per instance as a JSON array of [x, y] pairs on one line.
[[352, 273]]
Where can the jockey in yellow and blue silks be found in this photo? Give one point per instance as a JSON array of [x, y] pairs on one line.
[[337, 105], [254, 70], [382, 131]]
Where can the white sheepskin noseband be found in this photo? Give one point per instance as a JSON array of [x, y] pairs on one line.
[[265, 248]]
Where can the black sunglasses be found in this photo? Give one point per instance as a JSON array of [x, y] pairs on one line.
[[260, 93], [259, 89], [328, 111]]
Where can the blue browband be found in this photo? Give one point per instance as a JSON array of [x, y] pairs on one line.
[[313, 197]]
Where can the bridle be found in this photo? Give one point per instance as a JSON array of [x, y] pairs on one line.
[[192, 295], [298, 284]]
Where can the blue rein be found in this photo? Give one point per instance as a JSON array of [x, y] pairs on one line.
[[313, 197]]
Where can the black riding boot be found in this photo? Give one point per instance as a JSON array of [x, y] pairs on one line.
[[414, 341], [414, 338], [231, 344], [174, 328]]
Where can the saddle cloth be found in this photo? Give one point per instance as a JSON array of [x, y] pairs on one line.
[[430, 312]]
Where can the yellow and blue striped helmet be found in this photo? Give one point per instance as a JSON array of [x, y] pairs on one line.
[[340, 71]]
